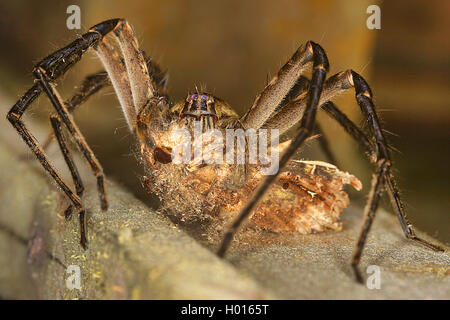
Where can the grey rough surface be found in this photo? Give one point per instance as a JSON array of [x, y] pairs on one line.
[[318, 266], [134, 252], [137, 253]]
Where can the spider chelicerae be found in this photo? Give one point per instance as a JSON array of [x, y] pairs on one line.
[[302, 196]]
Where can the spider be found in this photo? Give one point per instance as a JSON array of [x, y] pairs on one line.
[[302, 196]]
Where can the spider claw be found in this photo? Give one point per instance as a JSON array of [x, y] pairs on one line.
[[68, 213], [83, 238], [224, 246], [104, 205], [357, 273], [84, 243]]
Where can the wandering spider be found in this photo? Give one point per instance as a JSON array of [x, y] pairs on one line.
[[301, 196]]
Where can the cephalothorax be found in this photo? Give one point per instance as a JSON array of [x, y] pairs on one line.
[[302, 196]]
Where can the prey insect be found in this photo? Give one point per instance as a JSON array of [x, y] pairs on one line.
[[302, 196]]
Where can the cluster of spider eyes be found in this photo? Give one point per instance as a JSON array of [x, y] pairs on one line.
[[203, 97]]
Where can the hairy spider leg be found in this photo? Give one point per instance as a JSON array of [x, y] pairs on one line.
[[95, 82], [47, 71], [377, 152], [56, 125], [90, 85], [364, 98], [278, 88], [301, 87], [292, 112], [320, 68]]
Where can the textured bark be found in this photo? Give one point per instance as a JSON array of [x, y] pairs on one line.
[[136, 253]]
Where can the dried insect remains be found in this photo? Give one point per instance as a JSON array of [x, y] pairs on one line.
[[303, 196]]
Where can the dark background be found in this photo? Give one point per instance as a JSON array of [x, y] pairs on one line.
[[231, 47]]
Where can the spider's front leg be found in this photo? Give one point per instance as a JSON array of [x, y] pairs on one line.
[[132, 94], [267, 102], [79, 187], [99, 80], [45, 72], [75, 132], [377, 151], [382, 177]]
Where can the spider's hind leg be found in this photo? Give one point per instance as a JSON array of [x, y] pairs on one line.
[[75, 132], [389, 182], [324, 144], [90, 85], [79, 187], [48, 70], [56, 124], [378, 153], [95, 82], [14, 116]]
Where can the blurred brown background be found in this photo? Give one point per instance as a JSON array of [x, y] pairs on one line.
[[230, 48]]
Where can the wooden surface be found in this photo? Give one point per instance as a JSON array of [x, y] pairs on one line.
[[136, 253]]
